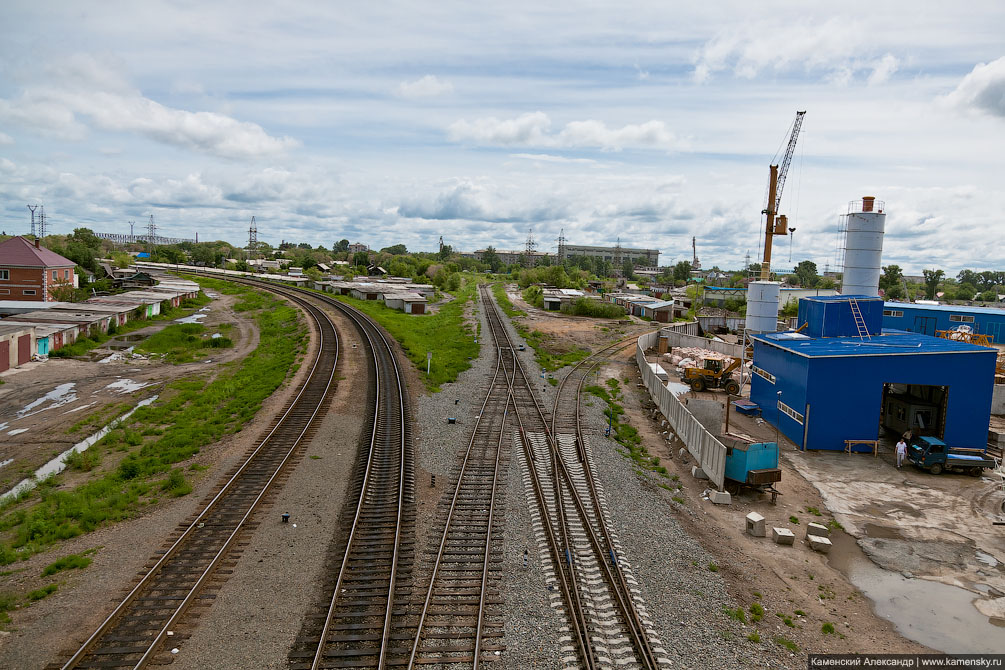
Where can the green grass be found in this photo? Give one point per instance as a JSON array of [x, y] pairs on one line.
[[814, 511], [624, 433], [183, 342], [499, 291], [754, 637], [71, 562], [756, 612], [835, 524], [735, 614], [794, 519], [787, 643], [191, 413], [44, 592], [827, 628], [8, 602], [713, 567], [445, 334]]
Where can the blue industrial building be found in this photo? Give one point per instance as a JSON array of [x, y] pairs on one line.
[[842, 378], [927, 319]]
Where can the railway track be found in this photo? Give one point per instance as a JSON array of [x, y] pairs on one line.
[[460, 621], [606, 627], [184, 573], [366, 618]]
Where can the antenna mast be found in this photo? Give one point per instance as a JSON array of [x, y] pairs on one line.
[[253, 236]]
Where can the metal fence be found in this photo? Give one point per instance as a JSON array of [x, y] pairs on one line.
[[708, 451], [683, 327]]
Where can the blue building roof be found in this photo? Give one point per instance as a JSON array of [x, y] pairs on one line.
[[958, 309], [890, 343]]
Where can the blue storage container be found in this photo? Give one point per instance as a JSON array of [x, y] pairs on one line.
[[831, 316], [742, 458]]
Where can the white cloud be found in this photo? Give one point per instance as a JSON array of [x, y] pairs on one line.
[[83, 87], [5, 139], [532, 129], [982, 89], [837, 48], [550, 158], [883, 69], [427, 87]]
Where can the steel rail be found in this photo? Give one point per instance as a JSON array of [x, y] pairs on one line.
[[362, 320], [148, 578], [450, 513], [563, 563], [619, 583]]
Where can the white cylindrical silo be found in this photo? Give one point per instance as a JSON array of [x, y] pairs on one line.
[[762, 306], [863, 253]]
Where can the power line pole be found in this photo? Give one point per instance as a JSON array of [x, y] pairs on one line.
[[33, 208], [41, 222], [253, 236], [561, 245]]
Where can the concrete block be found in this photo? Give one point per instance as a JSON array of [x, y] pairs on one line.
[[720, 497], [755, 524], [783, 536], [817, 529], [682, 452], [821, 544], [698, 473]]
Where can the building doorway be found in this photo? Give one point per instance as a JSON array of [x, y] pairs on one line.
[[915, 407]]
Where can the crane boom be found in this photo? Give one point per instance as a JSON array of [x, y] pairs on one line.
[[783, 170], [776, 182]]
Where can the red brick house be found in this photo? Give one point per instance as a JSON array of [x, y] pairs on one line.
[[30, 271]]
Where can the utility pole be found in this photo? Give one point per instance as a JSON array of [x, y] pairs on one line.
[[528, 254], [561, 245]]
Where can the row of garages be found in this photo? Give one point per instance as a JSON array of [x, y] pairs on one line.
[[406, 297], [39, 332]]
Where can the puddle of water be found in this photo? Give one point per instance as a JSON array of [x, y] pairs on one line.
[[987, 559], [937, 615], [17, 431], [194, 318], [61, 395], [109, 359], [58, 464], [77, 409], [126, 386], [132, 338], [216, 335]]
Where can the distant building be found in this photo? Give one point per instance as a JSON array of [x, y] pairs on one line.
[[647, 257], [357, 247], [31, 272]]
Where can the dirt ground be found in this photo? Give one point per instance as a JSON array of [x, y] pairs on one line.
[[40, 401]]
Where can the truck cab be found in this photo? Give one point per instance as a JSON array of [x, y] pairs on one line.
[[934, 455]]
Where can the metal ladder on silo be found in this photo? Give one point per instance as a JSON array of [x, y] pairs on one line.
[[863, 329]]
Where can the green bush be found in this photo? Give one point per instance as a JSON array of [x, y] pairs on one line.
[[754, 637], [44, 592], [756, 612], [84, 461], [827, 628], [175, 484], [594, 308]]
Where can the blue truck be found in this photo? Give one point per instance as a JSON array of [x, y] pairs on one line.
[[934, 455]]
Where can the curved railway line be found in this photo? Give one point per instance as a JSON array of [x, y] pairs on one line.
[[370, 616], [133, 635]]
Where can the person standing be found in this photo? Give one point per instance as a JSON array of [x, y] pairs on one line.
[[901, 452]]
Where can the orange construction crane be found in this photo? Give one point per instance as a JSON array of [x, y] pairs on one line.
[[776, 182]]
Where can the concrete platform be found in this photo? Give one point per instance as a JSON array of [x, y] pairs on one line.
[[698, 473], [720, 497]]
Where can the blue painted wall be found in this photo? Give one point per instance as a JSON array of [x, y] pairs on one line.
[[926, 319], [845, 393], [831, 316]]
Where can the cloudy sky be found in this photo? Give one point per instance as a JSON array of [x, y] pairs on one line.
[[404, 121]]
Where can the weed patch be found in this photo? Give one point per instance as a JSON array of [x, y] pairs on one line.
[[71, 562], [787, 643], [44, 592]]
